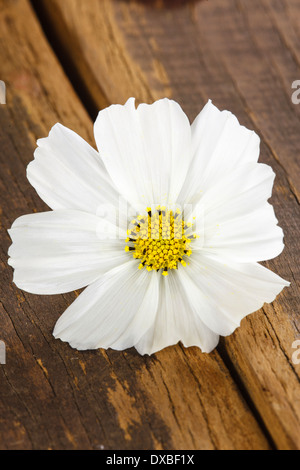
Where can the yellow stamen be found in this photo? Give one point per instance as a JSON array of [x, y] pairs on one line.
[[160, 239]]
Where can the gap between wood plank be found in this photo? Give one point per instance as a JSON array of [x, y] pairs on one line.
[[67, 63], [221, 348]]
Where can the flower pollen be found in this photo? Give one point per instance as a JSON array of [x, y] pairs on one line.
[[161, 239]]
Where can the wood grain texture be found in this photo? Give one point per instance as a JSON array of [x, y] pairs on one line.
[[245, 56], [51, 396]]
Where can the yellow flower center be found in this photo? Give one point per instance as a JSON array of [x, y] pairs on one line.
[[161, 239]]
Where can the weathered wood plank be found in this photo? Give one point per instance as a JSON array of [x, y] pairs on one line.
[[243, 55], [50, 395]]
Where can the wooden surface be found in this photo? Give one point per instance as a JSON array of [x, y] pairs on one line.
[[66, 61]]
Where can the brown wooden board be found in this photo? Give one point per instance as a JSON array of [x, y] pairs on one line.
[[54, 397], [245, 56]]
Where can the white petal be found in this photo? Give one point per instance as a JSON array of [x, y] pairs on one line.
[[175, 321], [252, 237], [145, 150], [223, 292], [60, 251], [114, 312], [68, 173], [237, 220], [219, 144]]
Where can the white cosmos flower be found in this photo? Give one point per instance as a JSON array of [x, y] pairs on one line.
[[151, 156]]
